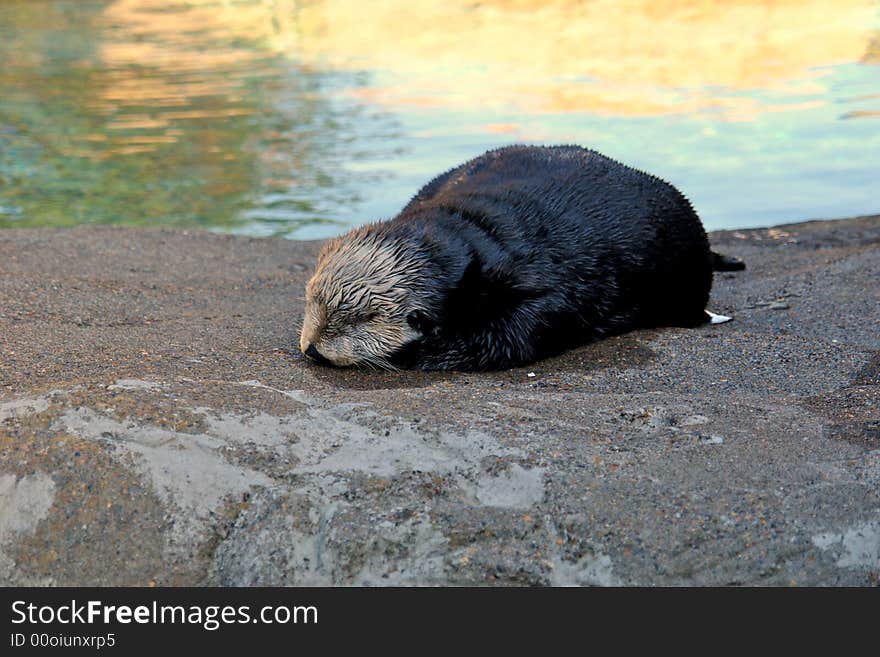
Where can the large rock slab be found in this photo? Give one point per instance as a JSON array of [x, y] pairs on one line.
[[157, 425]]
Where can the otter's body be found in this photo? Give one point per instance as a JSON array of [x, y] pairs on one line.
[[522, 253]]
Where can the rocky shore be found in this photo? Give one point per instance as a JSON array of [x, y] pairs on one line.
[[158, 426]]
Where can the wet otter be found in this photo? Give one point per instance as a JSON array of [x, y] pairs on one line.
[[516, 255]]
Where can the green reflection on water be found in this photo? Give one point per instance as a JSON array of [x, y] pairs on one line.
[[241, 139]]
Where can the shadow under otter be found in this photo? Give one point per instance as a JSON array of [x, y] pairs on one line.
[[517, 255]]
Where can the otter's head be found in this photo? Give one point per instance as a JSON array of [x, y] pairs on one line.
[[362, 299]]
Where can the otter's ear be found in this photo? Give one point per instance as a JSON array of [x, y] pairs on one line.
[[421, 322]]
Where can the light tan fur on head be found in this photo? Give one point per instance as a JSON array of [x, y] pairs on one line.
[[357, 301]]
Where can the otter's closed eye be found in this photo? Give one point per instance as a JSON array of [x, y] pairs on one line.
[[421, 322]]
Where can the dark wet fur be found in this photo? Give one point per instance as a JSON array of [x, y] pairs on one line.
[[535, 250]]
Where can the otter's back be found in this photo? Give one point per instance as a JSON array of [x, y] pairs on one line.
[[546, 212]]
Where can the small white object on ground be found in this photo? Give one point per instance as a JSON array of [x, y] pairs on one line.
[[717, 319]]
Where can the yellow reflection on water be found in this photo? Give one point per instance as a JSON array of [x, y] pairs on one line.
[[168, 62], [609, 57], [612, 57]]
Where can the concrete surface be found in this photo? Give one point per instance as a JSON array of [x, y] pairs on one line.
[[157, 426]]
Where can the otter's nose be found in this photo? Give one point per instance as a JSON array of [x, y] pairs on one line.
[[316, 356]]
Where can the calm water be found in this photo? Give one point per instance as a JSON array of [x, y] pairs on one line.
[[304, 118]]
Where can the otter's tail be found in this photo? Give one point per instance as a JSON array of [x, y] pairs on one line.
[[726, 263]]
